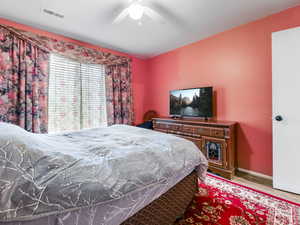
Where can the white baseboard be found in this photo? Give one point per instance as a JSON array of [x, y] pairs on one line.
[[255, 174]]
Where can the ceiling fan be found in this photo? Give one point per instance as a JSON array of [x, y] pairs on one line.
[[136, 10]]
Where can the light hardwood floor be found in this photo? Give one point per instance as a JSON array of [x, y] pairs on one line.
[[268, 189]]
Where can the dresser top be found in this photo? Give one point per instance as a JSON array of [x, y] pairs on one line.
[[196, 121]]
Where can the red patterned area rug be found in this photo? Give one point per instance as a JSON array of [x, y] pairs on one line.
[[220, 201]]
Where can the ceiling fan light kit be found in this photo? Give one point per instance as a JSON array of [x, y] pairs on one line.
[[136, 11]]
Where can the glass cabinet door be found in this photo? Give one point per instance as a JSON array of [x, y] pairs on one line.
[[215, 151]]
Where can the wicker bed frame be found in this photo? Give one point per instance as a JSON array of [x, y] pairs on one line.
[[169, 207]]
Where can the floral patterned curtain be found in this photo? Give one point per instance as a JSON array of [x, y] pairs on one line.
[[23, 83], [119, 94], [118, 71]]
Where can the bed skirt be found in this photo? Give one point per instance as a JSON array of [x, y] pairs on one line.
[[169, 207]]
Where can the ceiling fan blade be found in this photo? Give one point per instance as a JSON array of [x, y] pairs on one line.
[[121, 16], [170, 17], [153, 14]]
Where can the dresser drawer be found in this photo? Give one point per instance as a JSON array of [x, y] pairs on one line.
[[158, 125], [170, 127], [195, 131], [217, 132], [175, 127], [202, 131], [188, 129]]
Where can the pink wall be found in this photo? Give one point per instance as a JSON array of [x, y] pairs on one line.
[[139, 88], [237, 63], [138, 65]]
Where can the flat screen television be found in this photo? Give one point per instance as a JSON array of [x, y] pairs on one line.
[[194, 102]]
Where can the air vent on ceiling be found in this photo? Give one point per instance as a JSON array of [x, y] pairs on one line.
[[50, 12]]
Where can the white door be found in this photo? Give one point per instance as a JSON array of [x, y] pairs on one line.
[[286, 110]]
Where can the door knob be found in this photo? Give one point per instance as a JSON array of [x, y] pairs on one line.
[[278, 118]]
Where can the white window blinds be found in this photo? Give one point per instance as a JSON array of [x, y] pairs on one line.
[[76, 95]]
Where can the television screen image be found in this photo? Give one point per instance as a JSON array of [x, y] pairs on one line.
[[195, 102]]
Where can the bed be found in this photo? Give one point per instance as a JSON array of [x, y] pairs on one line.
[[115, 175]]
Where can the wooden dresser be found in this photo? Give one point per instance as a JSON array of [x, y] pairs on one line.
[[216, 139]]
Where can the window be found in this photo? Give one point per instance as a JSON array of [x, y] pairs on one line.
[[76, 95]]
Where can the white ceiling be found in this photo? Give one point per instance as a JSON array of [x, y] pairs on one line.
[[187, 21]]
